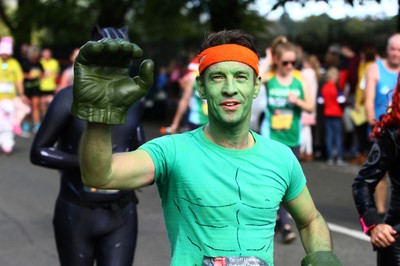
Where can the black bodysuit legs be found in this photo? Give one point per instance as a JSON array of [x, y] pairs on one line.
[[89, 225]]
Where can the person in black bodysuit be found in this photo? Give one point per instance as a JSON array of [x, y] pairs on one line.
[[383, 157], [89, 224]]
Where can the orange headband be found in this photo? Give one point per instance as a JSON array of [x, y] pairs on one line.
[[228, 52]]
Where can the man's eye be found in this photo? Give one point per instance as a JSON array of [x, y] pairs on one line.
[[241, 77], [217, 78]]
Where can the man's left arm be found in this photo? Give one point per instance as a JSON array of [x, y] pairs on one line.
[[314, 231]]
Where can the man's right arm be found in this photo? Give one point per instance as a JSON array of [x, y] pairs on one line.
[[371, 79], [102, 169]]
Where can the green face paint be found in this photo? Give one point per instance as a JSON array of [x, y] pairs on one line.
[[229, 88]]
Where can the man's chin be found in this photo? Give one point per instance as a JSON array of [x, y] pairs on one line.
[[395, 63]]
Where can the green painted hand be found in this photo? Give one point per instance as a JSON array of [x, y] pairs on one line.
[[103, 90]]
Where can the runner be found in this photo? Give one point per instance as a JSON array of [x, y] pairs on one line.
[[382, 158], [89, 224], [221, 184]]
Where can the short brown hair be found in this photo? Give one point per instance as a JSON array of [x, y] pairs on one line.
[[229, 37]]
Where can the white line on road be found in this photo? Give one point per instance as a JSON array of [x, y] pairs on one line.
[[347, 231]]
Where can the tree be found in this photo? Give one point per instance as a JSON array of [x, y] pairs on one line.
[[351, 2], [70, 22]]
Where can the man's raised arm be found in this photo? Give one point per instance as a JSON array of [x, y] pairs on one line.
[[103, 93]]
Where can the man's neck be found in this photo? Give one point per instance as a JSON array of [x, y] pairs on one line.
[[235, 139], [392, 67]]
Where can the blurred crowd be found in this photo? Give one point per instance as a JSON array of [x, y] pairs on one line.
[[335, 83], [28, 83], [321, 106]]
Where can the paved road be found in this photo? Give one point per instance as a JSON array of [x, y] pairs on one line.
[[28, 192]]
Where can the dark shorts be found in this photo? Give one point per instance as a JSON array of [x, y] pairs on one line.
[[45, 93], [85, 234], [32, 92]]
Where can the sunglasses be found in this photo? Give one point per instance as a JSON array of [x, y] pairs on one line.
[[285, 63]]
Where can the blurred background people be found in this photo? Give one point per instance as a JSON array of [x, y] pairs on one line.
[[382, 159], [13, 102], [381, 79], [287, 97], [368, 56], [48, 82], [67, 76], [33, 72], [311, 74], [333, 100], [190, 103], [90, 225]]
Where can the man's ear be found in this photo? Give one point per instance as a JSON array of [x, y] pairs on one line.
[[257, 87], [200, 87]]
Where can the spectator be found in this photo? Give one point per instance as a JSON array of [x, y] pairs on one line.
[[311, 74], [333, 99], [190, 101], [381, 78], [67, 76], [90, 225], [13, 102], [287, 97], [33, 73], [48, 83], [383, 158], [368, 56]]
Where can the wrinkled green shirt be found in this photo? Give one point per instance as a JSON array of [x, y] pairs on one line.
[[222, 202]]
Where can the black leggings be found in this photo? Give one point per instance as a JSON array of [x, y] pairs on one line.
[[389, 256], [84, 235]]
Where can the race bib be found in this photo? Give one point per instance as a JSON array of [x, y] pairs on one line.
[[235, 260], [7, 88], [282, 120], [100, 191]]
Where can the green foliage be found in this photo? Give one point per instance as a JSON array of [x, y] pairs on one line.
[[316, 33], [314, 37]]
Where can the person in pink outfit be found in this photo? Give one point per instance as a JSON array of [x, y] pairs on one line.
[[13, 102]]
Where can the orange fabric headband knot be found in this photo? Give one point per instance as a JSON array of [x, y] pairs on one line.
[[228, 52]]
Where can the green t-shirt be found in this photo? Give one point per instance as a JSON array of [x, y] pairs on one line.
[[222, 202], [282, 119]]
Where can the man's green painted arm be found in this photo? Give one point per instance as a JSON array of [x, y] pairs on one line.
[[102, 169]]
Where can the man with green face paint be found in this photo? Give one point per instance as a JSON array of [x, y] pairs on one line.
[[220, 184]]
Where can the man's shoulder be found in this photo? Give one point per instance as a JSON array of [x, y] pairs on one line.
[[180, 137], [372, 71], [13, 62], [276, 145]]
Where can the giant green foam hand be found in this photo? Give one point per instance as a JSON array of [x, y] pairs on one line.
[[321, 258], [103, 90]]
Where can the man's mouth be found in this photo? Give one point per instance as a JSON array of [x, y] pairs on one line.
[[230, 104]]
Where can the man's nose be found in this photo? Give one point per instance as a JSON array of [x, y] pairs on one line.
[[230, 86]]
